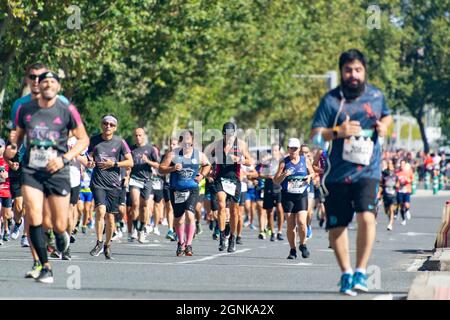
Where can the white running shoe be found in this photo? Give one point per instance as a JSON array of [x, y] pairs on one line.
[[404, 223], [165, 222], [134, 234], [156, 231], [141, 237], [408, 215], [24, 242], [389, 227]]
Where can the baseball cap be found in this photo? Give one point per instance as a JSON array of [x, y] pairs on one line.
[[47, 75], [293, 143]]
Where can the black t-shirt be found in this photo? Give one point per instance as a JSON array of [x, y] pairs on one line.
[[47, 131], [389, 181], [107, 150], [142, 170]]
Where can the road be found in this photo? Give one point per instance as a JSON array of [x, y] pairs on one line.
[[258, 270]]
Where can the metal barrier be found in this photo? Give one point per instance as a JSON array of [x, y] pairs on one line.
[[443, 235]]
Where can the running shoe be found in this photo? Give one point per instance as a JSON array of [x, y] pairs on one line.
[[165, 222], [360, 282], [16, 231], [1, 242], [91, 224], [227, 230], [321, 222], [404, 223], [62, 243], [232, 244], [180, 250], [45, 276], [346, 284], [141, 237], [66, 255], [239, 240], [134, 234], [72, 239], [309, 232], [107, 252], [408, 215], [198, 228], [292, 254], [389, 227], [6, 237], [130, 238], [170, 235], [97, 249], [115, 236], [252, 227], [280, 236], [222, 242], [55, 254], [304, 250], [35, 270], [272, 237], [156, 231], [83, 229], [211, 225], [188, 251], [262, 236]]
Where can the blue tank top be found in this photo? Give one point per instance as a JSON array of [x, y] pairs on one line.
[[184, 179], [299, 171]]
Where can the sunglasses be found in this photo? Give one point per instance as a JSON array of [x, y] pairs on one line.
[[33, 77], [293, 148], [109, 124]]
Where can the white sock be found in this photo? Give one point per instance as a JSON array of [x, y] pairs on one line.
[[348, 271], [363, 271]]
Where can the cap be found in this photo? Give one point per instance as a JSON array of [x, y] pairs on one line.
[[228, 127], [48, 75], [293, 143]]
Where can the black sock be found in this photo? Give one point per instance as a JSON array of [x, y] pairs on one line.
[[141, 226], [60, 241], [403, 210], [37, 239], [135, 225]]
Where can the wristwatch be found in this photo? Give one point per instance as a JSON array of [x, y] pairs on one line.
[[335, 132], [65, 160], [116, 164]]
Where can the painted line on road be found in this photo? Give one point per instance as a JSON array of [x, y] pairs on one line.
[[415, 234], [384, 297], [146, 245], [212, 257]]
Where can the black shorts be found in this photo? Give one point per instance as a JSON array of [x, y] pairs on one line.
[[146, 191], [74, 195], [15, 186], [109, 198], [6, 202], [201, 198], [188, 205], [166, 192], [242, 199], [158, 195], [271, 200], [212, 198], [50, 184], [294, 203], [219, 188], [345, 199], [318, 194], [123, 196], [389, 201], [128, 199]]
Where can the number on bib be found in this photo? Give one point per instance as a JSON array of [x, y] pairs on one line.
[[358, 150], [136, 183], [181, 196], [39, 157], [229, 187], [296, 186]]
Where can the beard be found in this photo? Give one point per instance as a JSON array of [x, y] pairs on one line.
[[48, 95], [352, 91]]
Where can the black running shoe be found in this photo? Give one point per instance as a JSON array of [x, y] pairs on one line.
[[62, 243], [188, 252], [72, 239], [97, 249], [232, 244], [222, 242], [227, 229], [272, 237], [107, 252], [239, 240], [280, 237], [46, 276], [304, 250], [321, 222], [292, 254], [180, 250], [66, 255]]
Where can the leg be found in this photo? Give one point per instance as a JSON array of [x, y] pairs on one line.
[[110, 225], [339, 242], [365, 238], [100, 212], [301, 221], [290, 232], [280, 217]]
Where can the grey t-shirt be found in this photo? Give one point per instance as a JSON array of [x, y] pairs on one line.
[[47, 131], [142, 170], [107, 150]]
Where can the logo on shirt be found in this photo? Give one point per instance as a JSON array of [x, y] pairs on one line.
[[28, 118], [57, 120], [186, 174]]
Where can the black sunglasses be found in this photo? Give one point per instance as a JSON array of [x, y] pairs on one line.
[[33, 76], [110, 124]]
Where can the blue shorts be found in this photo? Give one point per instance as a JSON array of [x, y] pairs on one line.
[[403, 197], [251, 195], [86, 196]]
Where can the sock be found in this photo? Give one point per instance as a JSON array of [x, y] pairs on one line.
[[180, 233], [61, 241], [141, 226], [403, 210], [135, 225], [37, 239], [363, 271], [348, 271], [190, 231]]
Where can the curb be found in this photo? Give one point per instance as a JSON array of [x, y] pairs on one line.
[[439, 261], [430, 286]]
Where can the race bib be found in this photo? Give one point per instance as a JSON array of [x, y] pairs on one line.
[[39, 157], [403, 189], [229, 187], [296, 186], [136, 183], [244, 187], [157, 184], [181, 196], [357, 150]]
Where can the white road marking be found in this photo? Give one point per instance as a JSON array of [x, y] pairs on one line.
[[212, 257], [146, 245], [415, 265], [414, 234], [388, 296]]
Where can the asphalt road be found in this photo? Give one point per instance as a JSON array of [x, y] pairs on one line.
[[258, 270]]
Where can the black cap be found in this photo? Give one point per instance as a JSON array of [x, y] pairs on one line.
[[48, 75], [228, 127]]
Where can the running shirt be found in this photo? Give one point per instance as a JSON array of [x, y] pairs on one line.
[[295, 183], [86, 180], [229, 169], [104, 150], [389, 182], [270, 168], [4, 183], [405, 179], [47, 131], [367, 109], [141, 170], [184, 179], [75, 173]]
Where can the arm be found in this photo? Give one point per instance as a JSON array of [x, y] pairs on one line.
[[127, 163], [206, 167], [165, 167], [16, 142], [280, 175], [247, 158]]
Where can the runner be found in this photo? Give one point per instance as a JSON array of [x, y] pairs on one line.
[[46, 123], [171, 235], [86, 198], [5, 194], [389, 181], [272, 192], [295, 173], [187, 167], [405, 178], [105, 151], [352, 117], [229, 153], [144, 159], [311, 194]]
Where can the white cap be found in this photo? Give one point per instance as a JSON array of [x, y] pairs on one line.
[[293, 143]]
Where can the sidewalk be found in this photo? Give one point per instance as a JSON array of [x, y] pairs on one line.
[[429, 193]]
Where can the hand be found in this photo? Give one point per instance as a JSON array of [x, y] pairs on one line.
[[91, 164], [308, 179], [55, 164], [199, 178], [381, 128], [178, 167], [108, 164], [14, 166], [4, 175], [349, 128], [10, 151], [126, 181], [144, 158]]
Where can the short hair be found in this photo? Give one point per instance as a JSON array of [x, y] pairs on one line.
[[35, 66], [191, 133], [351, 55]]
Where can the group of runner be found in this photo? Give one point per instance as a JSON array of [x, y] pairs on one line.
[[56, 176]]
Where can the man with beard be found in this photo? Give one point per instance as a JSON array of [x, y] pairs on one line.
[[47, 122], [352, 117]]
